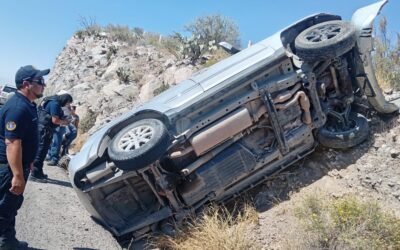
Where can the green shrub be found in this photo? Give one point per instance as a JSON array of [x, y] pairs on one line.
[[216, 56], [152, 38], [80, 34], [194, 47], [121, 33], [215, 28], [347, 223], [112, 50], [172, 45], [89, 27], [139, 32], [161, 89], [124, 75]]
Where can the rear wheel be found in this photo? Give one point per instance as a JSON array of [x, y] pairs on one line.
[[325, 40], [139, 144], [333, 136]]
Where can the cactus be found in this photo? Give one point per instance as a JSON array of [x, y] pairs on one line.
[[194, 48], [124, 75]]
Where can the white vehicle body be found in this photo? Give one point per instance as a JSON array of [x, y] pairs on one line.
[[229, 126], [6, 92]]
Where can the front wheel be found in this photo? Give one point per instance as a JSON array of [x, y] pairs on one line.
[[139, 144], [332, 137]]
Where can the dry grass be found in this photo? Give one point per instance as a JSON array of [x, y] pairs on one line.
[[122, 33], [88, 121], [387, 58], [346, 223], [383, 83], [79, 141], [217, 228], [387, 74], [217, 56]]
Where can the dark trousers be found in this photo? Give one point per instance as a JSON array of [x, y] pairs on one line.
[[9, 203], [45, 137], [70, 136], [54, 152]]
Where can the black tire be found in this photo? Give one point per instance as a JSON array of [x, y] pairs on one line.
[[136, 155], [325, 40], [358, 133]]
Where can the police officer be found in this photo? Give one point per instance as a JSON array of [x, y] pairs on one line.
[[50, 116], [18, 145]]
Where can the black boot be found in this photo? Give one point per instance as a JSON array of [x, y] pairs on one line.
[[38, 176], [13, 244]]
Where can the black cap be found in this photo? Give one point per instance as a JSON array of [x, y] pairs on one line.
[[28, 72]]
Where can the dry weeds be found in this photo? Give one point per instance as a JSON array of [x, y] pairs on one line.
[[79, 141], [345, 223], [217, 228]]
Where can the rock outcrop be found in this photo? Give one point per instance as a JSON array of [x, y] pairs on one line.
[[109, 77]]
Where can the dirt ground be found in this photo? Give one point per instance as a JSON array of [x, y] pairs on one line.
[[369, 171], [53, 218]]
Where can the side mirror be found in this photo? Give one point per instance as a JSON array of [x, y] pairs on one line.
[[229, 48]]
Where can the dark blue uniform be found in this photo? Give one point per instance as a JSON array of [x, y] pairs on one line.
[[48, 109], [53, 108], [18, 120]]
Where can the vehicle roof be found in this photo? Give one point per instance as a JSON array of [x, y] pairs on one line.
[[7, 85]]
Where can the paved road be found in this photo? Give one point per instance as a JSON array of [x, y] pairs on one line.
[[52, 217]]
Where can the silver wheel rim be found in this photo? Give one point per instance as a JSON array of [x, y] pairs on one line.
[[323, 33], [136, 138]]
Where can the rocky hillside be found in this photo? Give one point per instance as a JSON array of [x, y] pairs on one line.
[[108, 77]]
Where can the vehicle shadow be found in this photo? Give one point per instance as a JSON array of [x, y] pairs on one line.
[[84, 248], [75, 248], [58, 182], [31, 248], [322, 162]]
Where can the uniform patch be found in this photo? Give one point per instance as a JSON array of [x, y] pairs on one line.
[[11, 126]]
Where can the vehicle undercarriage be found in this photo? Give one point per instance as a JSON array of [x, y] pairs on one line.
[[156, 168]]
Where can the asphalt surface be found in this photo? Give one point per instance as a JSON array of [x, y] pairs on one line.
[[52, 217]]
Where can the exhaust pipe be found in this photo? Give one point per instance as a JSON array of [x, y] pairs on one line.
[[221, 131], [304, 104]]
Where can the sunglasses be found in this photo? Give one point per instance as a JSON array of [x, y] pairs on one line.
[[39, 81]]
